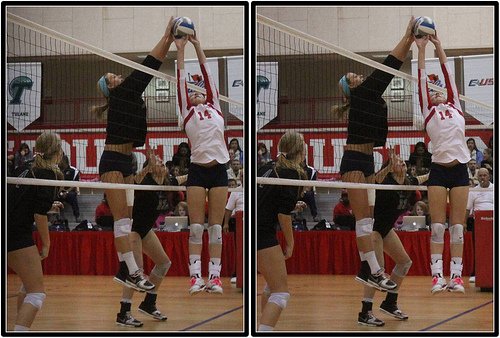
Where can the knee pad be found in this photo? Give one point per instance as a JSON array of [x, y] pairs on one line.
[[122, 227], [402, 269], [161, 270], [36, 299], [437, 234], [279, 298], [267, 290], [196, 233], [364, 227], [457, 234], [215, 234]]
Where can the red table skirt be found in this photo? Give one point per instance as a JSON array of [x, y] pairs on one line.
[[335, 252], [316, 252], [93, 253]]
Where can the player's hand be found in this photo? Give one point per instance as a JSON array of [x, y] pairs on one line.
[[435, 40], [421, 42], [194, 39], [181, 42], [409, 28], [168, 31], [225, 228], [44, 253]]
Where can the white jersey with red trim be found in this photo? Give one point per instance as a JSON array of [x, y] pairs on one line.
[[444, 123], [204, 123]]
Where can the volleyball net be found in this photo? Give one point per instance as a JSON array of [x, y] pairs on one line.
[[51, 86], [297, 82]]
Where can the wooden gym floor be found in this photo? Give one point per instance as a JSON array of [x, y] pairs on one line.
[[90, 303], [332, 302]]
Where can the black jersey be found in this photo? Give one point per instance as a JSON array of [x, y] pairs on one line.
[[275, 199], [368, 110], [389, 204], [146, 203], [24, 201], [127, 110]]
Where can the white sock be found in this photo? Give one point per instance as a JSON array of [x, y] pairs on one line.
[[371, 258], [21, 328], [126, 300], [214, 268], [362, 256], [129, 259], [195, 265], [263, 327], [436, 257], [436, 266], [456, 267], [120, 256]]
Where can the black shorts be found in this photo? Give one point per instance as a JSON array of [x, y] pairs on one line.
[[19, 238], [266, 238], [448, 177], [114, 161], [142, 228], [207, 177], [384, 224], [357, 161]]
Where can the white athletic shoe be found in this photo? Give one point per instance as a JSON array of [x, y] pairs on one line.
[[438, 284], [456, 285], [197, 285], [214, 285]]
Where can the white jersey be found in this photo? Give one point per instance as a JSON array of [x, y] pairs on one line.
[[444, 123], [204, 123], [482, 199]]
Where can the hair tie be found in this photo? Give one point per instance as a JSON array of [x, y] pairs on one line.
[[40, 154], [283, 154], [103, 85], [345, 86]]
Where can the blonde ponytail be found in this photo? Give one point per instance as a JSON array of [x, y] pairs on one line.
[[47, 154]]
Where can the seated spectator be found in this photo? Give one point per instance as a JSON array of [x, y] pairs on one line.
[[182, 158], [232, 183], [309, 192], [237, 153], [22, 155], [475, 153], [421, 158], [342, 213], [479, 200], [103, 215], [483, 199], [10, 165], [70, 194], [181, 209], [236, 202], [472, 170], [234, 171], [263, 155], [488, 160], [421, 209]]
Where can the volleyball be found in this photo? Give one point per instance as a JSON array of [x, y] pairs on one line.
[[183, 26], [424, 26]]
